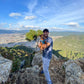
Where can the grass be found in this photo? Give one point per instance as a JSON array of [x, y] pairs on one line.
[[71, 46]]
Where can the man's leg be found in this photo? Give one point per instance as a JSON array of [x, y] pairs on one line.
[[46, 62]]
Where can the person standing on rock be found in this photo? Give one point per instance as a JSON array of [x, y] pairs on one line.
[[47, 55]]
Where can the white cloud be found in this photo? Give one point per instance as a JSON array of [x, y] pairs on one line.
[[14, 14], [22, 27], [30, 26], [72, 24], [29, 17], [10, 25], [44, 21], [31, 5]]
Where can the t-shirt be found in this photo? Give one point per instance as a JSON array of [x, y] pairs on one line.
[[47, 52]]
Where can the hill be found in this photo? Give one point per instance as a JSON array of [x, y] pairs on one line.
[[71, 46], [65, 33]]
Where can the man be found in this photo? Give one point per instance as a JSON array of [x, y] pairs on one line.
[[47, 55]]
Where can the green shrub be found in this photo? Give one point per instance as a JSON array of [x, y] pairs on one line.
[[32, 35], [17, 54], [39, 32], [16, 65]]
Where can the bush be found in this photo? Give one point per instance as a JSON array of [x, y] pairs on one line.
[[16, 65], [32, 35], [17, 54], [39, 32], [5, 52]]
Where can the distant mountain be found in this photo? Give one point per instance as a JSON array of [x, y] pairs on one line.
[[55, 33], [13, 31], [65, 33]]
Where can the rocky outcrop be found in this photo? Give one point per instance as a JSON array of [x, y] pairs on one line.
[[56, 70], [73, 73], [31, 75], [25, 76], [5, 68], [80, 62], [31, 44], [61, 71], [37, 59]]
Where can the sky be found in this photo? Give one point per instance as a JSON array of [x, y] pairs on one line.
[[56, 15]]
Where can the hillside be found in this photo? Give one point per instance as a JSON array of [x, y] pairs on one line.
[[70, 46], [65, 33]]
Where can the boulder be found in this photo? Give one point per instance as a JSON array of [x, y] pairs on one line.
[[25, 76], [31, 44], [37, 59], [73, 73], [80, 62], [5, 68]]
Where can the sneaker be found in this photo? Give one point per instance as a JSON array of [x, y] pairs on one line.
[[51, 83], [42, 72]]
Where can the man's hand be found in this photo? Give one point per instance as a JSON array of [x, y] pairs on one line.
[[44, 46]]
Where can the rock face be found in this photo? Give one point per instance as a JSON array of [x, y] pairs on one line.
[[31, 44], [73, 73], [31, 75], [80, 62], [37, 60], [56, 70], [5, 67], [26, 76]]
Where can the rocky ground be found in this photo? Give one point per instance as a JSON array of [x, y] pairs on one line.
[[32, 75], [61, 72]]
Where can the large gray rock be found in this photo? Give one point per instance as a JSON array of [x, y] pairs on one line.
[[25, 76], [5, 67], [37, 60], [31, 44], [80, 62], [73, 73]]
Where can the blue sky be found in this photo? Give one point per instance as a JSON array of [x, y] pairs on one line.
[[62, 15]]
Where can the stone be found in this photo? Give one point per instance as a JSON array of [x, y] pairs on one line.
[[37, 59], [5, 68], [26, 76], [80, 62], [73, 73]]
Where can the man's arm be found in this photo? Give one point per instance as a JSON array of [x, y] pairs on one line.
[[47, 43]]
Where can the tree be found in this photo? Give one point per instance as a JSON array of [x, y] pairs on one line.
[[32, 35], [39, 32]]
